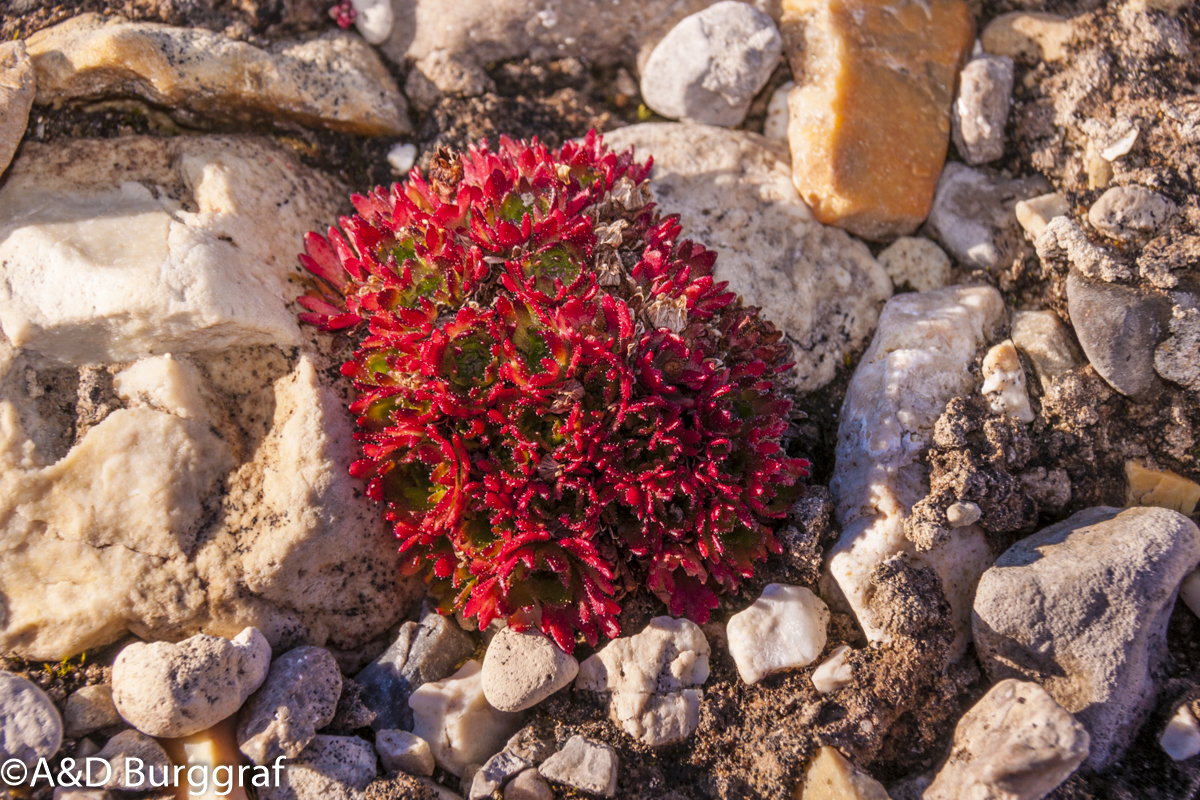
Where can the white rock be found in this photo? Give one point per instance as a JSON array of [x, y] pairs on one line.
[[917, 362], [654, 678], [402, 157], [164, 523], [201, 77], [331, 768], [1042, 336], [916, 261], [454, 717], [583, 764], [710, 66], [834, 672], [1127, 213], [374, 19], [17, 91], [1181, 739], [960, 514], [1035, 213], [173, 690], [298, 698], [521, 669], [1004, 382], [1015, 743], [30, 725], [166, 384], [404, 751], [776, 125], [829, 776], [784, 629], [981, 109], [733, 191], [90, 709]]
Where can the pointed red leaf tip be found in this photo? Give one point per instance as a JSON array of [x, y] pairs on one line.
[[553, 393]]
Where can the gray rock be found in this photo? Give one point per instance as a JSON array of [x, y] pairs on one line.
[[586, 765], [1042, 336], [330, 768], [1082, 607], [16, 98], [131, 745], [1063, 241], [351, 713], [90, 709], [531, 745], [299, 697], [1016, 743], [498, 770], [30, 725], [1119, 329], [521, 669], [173, 690], [404, 751], [423, 652], [529, 785], [1175, 359], [978, 116], [710, 66], [974, 215], [1127, 213]]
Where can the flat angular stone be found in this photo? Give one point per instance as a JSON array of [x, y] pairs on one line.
[[1042, 336], [333, 81], [870, 126], [298, 698], [981, 110], [90, 709], [404, 751], [588, 766], [1119, 328], [1160, 488], [831, 777], [784, 629]]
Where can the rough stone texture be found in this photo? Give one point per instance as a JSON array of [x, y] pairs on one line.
[[1062, 241], [90, 709], [423, 652], [916, 262], [494, 774], [1029, 36], [1118, 328], [455, 718], [30, 725], [17, 90], [298, 698], [1082, 607], [708, 68], [162, 522], [172, 690], [872, 173], [473, 33], [915, 365], [529, 785], [1042, 336], [334, 81], [1128, 213], [981, 110], [973, 215], [331, 768], [404, 751], [521, 670], [586, 765], [1175, 359], [1016, 743], [654, 679], [1004, 383], [783, 629], [1160, 489], [400, 786], [831, 777], [1035, 213], [733, 192], [130, 745]]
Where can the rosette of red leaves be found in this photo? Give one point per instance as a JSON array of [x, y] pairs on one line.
[[555, 399]]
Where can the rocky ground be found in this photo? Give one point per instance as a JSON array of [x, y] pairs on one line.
[[987, 381]]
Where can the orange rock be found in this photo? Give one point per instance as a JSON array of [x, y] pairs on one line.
[[870, 116]]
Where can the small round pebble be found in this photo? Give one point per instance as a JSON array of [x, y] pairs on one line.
[[917, 262], [521, 669], [402, 157]]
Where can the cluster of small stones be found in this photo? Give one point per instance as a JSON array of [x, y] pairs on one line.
[[933, 464]]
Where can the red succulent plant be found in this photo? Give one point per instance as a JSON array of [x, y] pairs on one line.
[[556, 401]]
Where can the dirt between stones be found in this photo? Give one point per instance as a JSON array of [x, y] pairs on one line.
[[897, 718]]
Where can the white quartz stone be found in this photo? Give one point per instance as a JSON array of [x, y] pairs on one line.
[[834, 672], [1035, 213], [776, 124], [784, 629], [456, 720], [404, 751], [163, 383], [916, 363], [1004, 382], [1181, 739], [374, 20], [402, 157]]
